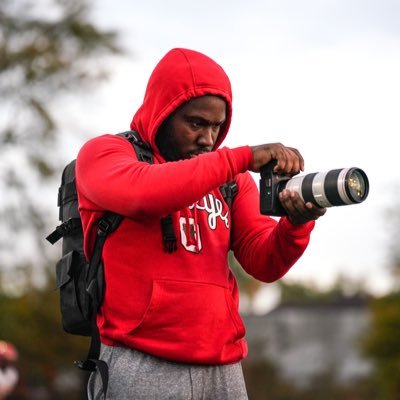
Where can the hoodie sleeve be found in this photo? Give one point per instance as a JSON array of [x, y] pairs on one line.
[[265, 248], [109, 177]]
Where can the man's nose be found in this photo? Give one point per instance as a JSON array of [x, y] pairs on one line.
[[208, 137]]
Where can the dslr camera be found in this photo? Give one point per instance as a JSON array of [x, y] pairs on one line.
[[337, 187]]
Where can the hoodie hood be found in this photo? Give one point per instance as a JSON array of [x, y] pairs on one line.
[[180, 75]]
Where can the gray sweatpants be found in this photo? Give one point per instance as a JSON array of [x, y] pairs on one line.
[[138, 376]]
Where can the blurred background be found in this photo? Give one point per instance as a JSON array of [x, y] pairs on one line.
[[321, 76]]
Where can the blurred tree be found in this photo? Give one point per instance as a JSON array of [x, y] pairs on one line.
[[47, 49], [307, 293], [393, 217], [31, 321], [382, 345], [291, 292], [382, 341], [247, 284], [263, 381]]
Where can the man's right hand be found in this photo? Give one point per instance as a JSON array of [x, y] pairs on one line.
[[289, 160]]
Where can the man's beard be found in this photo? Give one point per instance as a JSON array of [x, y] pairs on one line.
[[168, 148], [166, 145]]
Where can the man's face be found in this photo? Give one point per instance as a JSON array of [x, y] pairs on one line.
[[192, 129]]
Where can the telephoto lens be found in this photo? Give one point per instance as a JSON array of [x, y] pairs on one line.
[[337, 187]]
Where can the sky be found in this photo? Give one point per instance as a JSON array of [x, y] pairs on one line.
[[319, 75]]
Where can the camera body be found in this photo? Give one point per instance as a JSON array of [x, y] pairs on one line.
[[271, 184], [336, 187]]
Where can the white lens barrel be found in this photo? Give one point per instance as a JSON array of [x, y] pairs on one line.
[[295, 184], [331, 188]]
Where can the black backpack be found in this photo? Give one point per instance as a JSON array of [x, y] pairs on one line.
[[81, 283]]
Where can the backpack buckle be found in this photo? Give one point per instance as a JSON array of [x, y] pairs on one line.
[[145, 157], [103, 227], [87, 365]]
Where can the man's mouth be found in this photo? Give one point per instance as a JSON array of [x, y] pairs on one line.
[[194, 154]]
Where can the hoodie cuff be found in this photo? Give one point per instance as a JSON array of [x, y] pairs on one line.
[[296, 230], [243, 157]]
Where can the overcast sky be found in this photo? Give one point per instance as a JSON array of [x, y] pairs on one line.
[[322, 76]]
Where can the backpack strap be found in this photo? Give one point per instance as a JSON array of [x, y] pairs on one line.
[[107, 224], [145, 154], [142, 149], [168, 234], [229, 190]]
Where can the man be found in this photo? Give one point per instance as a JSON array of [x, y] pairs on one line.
[[169, 323]]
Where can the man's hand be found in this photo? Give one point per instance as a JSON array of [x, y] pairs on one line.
[[289, 160], [298, 211]]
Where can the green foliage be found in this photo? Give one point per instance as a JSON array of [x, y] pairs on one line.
[[44, 54], [382, 341], [47, 50], [307, 293], [264, 382], [393, 226], [247, 284], [382, 345], [31, 321]]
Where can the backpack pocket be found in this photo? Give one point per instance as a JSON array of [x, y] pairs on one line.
[[75, 302]]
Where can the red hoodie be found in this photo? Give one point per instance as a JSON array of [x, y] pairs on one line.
[[180, 306]]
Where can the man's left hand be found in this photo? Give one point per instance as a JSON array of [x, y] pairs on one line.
[[298, 211]]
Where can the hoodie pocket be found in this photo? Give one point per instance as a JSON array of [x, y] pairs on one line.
[[191, 322]]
